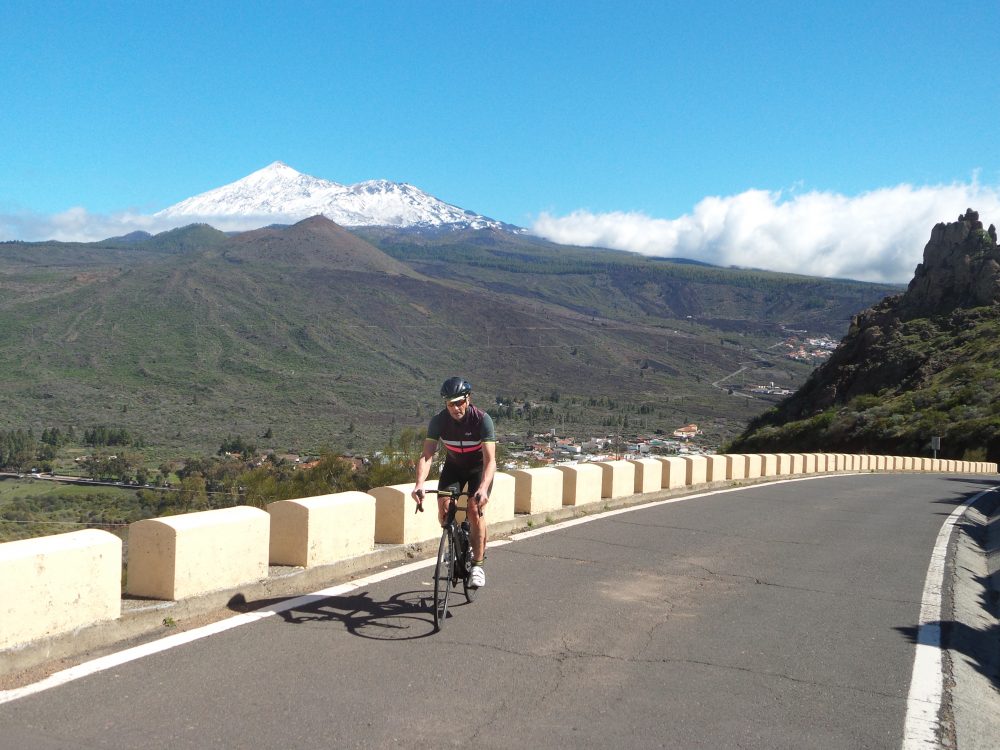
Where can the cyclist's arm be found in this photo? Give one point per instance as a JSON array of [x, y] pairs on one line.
[[489, 469], [424, 464], [489, 458]]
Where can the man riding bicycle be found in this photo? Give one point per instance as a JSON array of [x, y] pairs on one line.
[[469, 439]]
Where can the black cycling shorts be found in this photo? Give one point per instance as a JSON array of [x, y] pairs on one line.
[[467, 479]]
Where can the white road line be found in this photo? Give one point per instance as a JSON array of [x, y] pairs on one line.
[[921, 729]]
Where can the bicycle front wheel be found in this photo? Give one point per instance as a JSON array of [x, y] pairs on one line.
[[444, 571]]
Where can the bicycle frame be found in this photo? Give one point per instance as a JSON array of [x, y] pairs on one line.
[[454, 559]]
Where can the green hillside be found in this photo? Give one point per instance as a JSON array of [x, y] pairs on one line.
[[321, 338]]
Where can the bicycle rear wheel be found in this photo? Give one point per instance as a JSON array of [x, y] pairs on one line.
[[444, 571]]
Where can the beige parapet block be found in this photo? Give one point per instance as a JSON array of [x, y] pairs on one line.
[[866, 462], [797, 463], [696, 470], [769, 465], [648, 475], [177, 557], [501, 504], [674, 472], [784, 465], [581, 483], [55, 584], [808, 463], [736, 466], [618, 479], [755, 465], [715, 468], [906, 463], [321, 530], [821, 461], [396, 518], [537, 490]]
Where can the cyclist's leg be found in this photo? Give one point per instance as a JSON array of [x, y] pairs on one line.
[[449, 475], [477, 523]]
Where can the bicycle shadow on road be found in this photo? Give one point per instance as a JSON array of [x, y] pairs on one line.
[[404, 616]]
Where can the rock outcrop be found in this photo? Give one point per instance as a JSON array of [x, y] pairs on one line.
[[906, 344], [961, 268]]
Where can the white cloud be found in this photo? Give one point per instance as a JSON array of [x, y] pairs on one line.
[[79, 225], [876, 236]]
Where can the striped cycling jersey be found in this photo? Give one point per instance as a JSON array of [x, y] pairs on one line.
[[463, 438]]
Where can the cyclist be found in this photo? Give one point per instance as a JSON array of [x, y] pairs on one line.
[[470, 459]]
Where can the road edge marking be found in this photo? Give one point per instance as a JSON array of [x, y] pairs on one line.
[[922, 726]]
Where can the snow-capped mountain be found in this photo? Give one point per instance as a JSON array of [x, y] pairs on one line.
[[277, 193]]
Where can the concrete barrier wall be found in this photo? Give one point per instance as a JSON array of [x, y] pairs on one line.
[[321, 530], [537, 490], [755, 465], [618, 480], [697, 470], [809, 463], [715, 468], [501, 505], [55, 584], [648, 475], [183, 556], [396, 519], [581, 483], [674, 472], [736, 466], [783, 464]]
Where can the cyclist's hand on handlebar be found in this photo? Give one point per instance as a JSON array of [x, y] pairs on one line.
[[481, 497], [418, 495]]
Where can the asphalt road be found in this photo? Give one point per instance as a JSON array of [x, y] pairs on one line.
[[777, 616]]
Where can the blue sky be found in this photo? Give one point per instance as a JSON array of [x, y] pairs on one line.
[[720, 130]]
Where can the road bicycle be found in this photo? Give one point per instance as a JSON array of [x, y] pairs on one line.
[[454, 557]]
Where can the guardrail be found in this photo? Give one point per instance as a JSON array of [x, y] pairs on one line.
[[57, 584]]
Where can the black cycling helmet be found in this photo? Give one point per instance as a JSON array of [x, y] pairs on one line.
[[455, 388]]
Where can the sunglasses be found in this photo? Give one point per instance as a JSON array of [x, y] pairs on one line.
[[457, 402]]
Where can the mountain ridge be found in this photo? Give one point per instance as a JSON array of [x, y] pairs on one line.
[[279, 191]]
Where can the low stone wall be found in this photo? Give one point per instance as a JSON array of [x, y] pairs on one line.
[[618, 479], [537, 490], [321, 530], [55, 585], [581, 483], [194, 553], [648, 475]]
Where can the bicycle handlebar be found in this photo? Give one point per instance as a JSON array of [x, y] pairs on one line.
[[451, 491]]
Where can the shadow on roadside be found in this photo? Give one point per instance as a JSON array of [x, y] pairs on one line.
[[981, 648]]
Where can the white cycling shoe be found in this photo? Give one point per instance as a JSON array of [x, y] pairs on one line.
[[477, 577]]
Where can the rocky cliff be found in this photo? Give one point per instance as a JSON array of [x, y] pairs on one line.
[[925, 362]]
